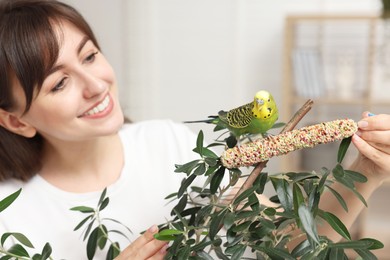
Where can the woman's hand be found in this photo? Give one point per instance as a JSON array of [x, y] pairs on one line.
[[373, 142], [145, 247]]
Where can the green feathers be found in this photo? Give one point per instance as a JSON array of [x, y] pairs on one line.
[[256, 117]]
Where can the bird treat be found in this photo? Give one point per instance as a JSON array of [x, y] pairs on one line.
[[274, 145]]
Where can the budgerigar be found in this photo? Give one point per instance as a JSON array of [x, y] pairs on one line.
[[256, 117]]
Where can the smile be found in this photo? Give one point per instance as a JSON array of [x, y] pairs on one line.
[[98, 108]]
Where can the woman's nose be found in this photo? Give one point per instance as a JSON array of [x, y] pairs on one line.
[[92, 85]]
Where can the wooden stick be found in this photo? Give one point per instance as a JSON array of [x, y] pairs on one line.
[[288, 127]]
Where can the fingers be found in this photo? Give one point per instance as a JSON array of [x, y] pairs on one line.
[[364, 148], [370, 152], [375, 137], [374, 122], [145, 247]]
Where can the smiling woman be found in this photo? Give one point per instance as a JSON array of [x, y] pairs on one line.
[[63, 140]]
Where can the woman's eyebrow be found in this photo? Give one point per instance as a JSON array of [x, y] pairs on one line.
[[80, 46]]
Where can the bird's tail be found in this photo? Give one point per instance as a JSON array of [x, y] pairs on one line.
[[210, 120]]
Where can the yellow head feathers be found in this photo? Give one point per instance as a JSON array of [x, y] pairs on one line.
[[264, 105]]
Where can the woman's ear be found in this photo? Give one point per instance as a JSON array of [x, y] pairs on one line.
[[15, 124]]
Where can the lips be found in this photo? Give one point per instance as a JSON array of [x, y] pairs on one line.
[[99, 108]]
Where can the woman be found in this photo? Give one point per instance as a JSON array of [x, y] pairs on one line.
[[61, 118], [63, 139]]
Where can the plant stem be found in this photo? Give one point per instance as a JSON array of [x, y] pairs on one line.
[[288, 127]]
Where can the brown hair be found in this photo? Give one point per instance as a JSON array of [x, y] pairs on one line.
[[28, 50]]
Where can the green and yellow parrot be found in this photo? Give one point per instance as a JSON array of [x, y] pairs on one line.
[[256, 117]]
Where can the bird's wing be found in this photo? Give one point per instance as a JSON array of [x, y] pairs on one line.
[[239, 117]]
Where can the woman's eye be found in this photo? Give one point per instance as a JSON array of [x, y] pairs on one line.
[[90, 58], [59, 86]]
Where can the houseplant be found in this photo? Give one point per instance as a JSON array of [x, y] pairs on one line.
[[207, 224]]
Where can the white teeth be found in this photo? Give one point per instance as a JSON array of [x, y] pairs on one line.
[[99, 108]]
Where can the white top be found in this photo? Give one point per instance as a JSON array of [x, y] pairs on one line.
[[151, 150]]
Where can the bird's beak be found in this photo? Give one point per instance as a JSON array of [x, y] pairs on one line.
[[260, 102]]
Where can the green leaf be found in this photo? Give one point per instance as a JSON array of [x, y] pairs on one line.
[[170, 196], [204, 243], [359, 196], [323, 179], [284, 193], [168, 234], [267, 223], [275, 253], [104, 204], [298, 198], [238, 252], [180, 206], [300, 176], [375, 243], [245, 194], [18, 236], [270, 212], [83, 209], [187, 182], [339, 198], [216, 223], [337, 254], [113, 251], [260, 182], [365, 254], [46, 251], [88, 229], [212, 169], [336, 224], [301, 249], [184, 252], [18, 250], [204, 255], [92, 243], [200, 169], [216, 180], [102, 196], [241, 227], [4, 203], [356, 176], [343, 149], [229, 220], [82, 222], [308, 223], [199, 143], [102, 236], [339, 175], [7, 257], [187, 167], [359, 244], [206, 153]]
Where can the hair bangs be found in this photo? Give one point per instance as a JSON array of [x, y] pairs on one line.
[[32, 49]]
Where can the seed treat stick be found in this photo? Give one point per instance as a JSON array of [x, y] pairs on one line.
[[263, 149]]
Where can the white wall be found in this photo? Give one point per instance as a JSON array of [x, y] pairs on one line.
[[186, 59]]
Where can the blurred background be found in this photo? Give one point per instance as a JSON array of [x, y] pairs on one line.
[[187, 59]]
